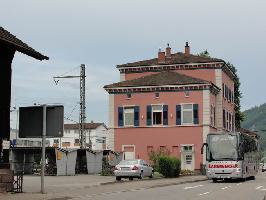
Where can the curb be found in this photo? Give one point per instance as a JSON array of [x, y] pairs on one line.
[[158, 185]]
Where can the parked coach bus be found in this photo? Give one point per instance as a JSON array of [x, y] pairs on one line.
[[231, 156]]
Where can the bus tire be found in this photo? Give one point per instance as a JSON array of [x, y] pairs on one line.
[[214, 180], [252, 178]]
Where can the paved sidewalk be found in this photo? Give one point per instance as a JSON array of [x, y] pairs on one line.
[[76, 187]]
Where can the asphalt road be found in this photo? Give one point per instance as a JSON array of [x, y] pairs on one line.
[[230, 190]]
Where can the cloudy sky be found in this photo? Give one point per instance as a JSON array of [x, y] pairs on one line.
[[104, 33]]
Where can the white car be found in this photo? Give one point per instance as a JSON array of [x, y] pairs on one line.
[[133, 169]]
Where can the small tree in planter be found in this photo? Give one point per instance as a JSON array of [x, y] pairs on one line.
[[154, 157]]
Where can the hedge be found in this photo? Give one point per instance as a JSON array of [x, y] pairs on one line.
[[169, 166]]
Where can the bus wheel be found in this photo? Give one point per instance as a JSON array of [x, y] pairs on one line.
[[252, 178], [214, 180]]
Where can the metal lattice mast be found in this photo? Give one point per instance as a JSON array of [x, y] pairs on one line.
[[82, 114], [82, 134]]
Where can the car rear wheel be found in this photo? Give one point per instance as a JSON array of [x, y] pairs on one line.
[[118, 178], [152, 174]]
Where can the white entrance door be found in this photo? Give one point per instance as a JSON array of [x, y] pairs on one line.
[[188, 161]]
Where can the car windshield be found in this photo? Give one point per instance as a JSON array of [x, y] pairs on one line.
[[128, 162], [223, 147]]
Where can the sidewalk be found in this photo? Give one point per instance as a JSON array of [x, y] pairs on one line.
[[73, 187]]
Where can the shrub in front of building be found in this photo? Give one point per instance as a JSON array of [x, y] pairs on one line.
[[154, 156], [169, 166]]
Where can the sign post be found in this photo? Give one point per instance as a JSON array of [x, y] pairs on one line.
[[43, 148]]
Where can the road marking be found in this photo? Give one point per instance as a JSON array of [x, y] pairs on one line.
[[191, 187], [224, 188], [259, 187], [204, 193], [239, 184], [263, 189]]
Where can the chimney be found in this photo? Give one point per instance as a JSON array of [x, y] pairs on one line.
[[161, 56], [168, 51], [187, 49]]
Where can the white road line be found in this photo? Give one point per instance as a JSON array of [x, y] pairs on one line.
[[259, 187], [224, 188], [192, 187], [204, 193], [263, 189], [239, 184]]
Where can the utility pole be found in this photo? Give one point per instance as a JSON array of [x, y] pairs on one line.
[[82, 115], [82, 135]]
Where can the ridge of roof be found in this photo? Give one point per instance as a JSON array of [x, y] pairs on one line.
[[9, 39], [162, 78], [176, 58]]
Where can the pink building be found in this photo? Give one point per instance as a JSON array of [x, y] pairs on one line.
[[170, 102]]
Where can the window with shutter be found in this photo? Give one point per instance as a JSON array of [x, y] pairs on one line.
[[120, 116], [165, 114], [178, 114], [136, 116]]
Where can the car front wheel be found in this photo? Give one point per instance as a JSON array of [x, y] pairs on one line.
[[141, 175], [118, 178]]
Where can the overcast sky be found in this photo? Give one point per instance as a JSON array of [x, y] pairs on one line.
[[104, 33]]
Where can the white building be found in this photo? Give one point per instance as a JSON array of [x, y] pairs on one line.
[[95, 132]]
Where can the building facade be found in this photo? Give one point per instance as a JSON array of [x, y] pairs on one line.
[[170, 103], [96, 134]]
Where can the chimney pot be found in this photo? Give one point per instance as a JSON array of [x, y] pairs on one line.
[[161, 56], [187, 49], [168, 51]]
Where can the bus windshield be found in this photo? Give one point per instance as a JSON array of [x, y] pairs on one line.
[[223, 147]]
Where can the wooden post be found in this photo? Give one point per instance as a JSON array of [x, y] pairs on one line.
[[6, 57]]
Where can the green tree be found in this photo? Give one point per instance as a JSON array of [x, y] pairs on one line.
[[204, 53]]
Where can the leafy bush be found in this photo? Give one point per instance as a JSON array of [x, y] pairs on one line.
[[169, 166], [186, 172], [154, 157]]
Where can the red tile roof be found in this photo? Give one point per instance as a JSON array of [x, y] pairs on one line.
[[177, 58], [162, 78], [10, 40], [86, 126]]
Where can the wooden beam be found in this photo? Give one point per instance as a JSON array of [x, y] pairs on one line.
[[6, 57]]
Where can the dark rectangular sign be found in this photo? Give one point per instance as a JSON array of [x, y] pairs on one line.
[[31, 121]]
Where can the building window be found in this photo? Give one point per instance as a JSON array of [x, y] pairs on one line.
[[56, 141], [76, 140], [187, 113], [76, 131], [65, 144], [149, 149], [224, 118], [157, 114], [157, 95], [186, 93], [188, 159], [129, 116], [213, 116], [129, 96], [67, 131], [187, 148]]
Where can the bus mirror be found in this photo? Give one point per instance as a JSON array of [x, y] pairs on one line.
[[204, 144]]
